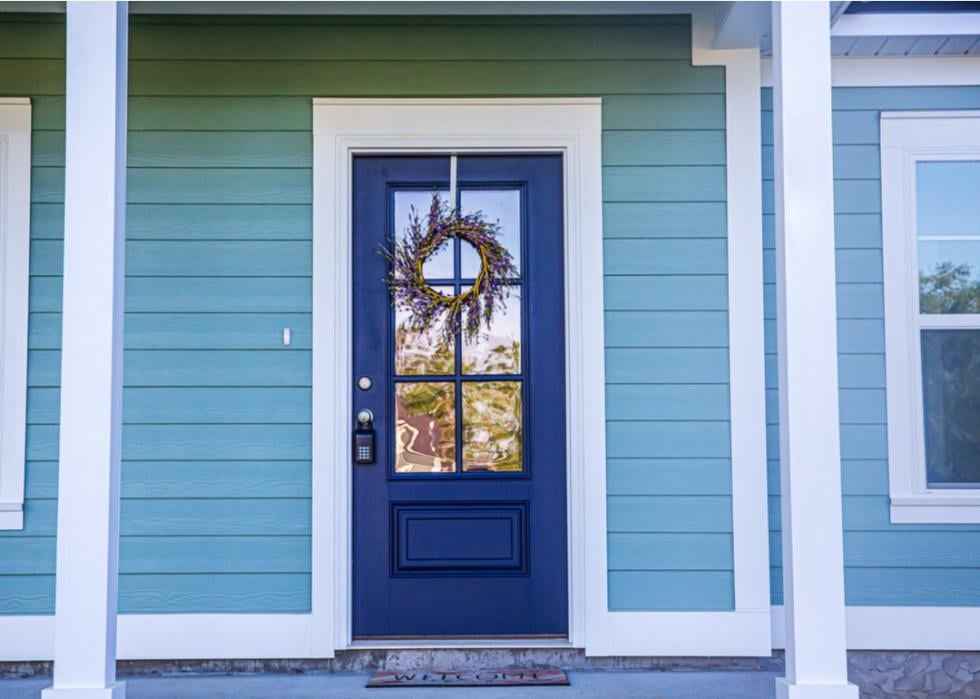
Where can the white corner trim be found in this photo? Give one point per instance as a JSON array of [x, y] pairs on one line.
[[15, 233], [897, 71], [342, 127], [746, 329], [173, 637], [906, 138], [901, 628]]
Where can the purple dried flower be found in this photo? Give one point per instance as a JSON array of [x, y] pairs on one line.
[[425, 306]]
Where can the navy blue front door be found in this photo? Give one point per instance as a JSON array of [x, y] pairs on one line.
[[460, 523]]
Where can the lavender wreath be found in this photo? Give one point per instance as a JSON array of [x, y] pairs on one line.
[[428, 308]]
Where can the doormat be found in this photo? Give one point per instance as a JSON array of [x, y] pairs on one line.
[[506, 677]]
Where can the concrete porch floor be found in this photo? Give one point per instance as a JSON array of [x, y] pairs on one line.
[[622, 684]]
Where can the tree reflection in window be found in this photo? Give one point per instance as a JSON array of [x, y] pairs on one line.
[[951, 398], [949, 288], [497, 349], [419, 352]]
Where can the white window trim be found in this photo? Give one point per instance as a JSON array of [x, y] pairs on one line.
[[907, 138], [15, 208]]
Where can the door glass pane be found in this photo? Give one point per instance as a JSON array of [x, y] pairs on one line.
[[951, 402], [948, 225], [440, 264], [425, 427], [497, 350], [492, 426], [502, 206], [419, 352]]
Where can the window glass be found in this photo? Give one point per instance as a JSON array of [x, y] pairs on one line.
[[951, 402], [492, 432], [502, 206], [448, 422], [948, 226], [425, 427], [421, 352], [440, 264], [497, 350]]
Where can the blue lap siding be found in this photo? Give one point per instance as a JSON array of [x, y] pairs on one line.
[[217, 463], [885, 564]]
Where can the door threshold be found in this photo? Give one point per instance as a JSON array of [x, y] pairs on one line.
[[443, 643]]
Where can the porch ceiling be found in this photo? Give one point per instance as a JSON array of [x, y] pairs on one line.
[[379, 7], [912, 29], [857, 29]]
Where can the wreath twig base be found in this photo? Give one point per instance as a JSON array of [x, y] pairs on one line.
[[429, 309]]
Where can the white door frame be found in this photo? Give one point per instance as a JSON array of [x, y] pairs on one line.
[[343, 127]]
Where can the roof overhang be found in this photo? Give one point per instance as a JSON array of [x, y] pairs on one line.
[[732, 25], [381, 7]]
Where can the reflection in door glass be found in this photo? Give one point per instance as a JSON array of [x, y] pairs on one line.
[[497, 350], [502, 206], [492, 426], [425, 427], [439, 265], [419, 352]]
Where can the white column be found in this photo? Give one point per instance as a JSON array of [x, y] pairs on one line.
[[809, 437], [91, 360]]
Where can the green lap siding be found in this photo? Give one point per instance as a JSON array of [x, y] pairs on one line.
[[216, 475], [885, 564]]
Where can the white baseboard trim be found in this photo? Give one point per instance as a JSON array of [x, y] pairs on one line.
[[729, 634], [26, 638], [901, 628], [258, 636], [173, 637]]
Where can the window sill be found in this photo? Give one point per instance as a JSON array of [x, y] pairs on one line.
[[11, 516], [962, 507]]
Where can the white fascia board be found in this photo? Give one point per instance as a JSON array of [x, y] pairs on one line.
[[908, 24], [895, 71], [837, 11]]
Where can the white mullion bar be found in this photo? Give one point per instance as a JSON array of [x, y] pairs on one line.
[[949, 321], [809, 439], [91, 364], [453, 168]]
